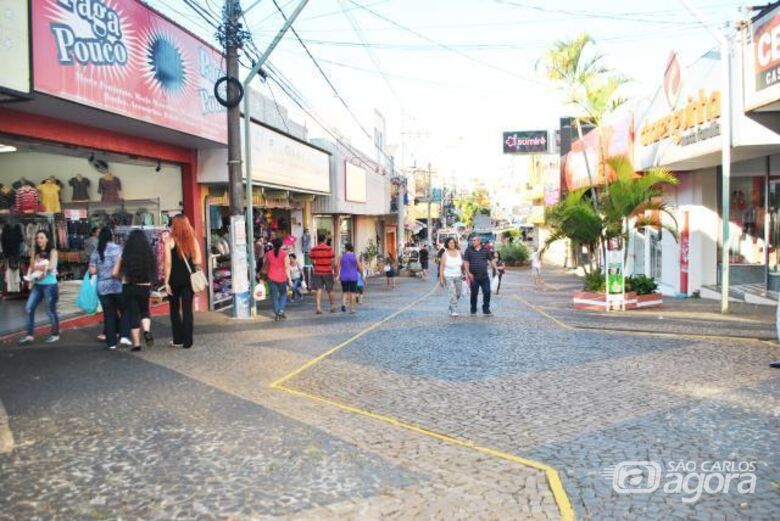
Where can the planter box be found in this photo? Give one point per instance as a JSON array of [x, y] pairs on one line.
[[598, 301], [649, 301]]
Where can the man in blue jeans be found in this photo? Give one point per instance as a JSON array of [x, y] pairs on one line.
[[477, 262]]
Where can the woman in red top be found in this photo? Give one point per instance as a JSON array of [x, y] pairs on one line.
[[276, 264]]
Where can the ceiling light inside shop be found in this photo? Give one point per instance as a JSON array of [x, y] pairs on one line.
[[6, 148]]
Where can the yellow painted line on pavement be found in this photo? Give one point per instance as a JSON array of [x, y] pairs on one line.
[[544, 313], [553, 478]]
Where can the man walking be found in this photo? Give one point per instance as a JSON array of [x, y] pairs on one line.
[[477, 261], [322, 258]]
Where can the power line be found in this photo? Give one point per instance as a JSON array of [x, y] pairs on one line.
[[278, 111], [332, 86], [444, 46]]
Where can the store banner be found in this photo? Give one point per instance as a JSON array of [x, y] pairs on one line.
[[122, 57], [355, 183], [526, 142], [14, 48], [761, 61]]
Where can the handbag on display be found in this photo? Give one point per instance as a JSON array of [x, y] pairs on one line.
[[197, 278]]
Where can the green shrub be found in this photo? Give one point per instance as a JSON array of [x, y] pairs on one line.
[[642, 284], [595, 282], [514, 254]]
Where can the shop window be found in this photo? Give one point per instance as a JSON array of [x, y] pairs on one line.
[[324, 226], [747, 214], [345, 231]]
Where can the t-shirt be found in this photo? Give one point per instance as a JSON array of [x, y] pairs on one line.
[[109, 188], [478, 260], [50, 196], [349, 267], [322, 257], [106, 283], [424, 255], [276, 271], [80, 188]]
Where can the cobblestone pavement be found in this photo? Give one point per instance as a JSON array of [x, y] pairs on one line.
[[174, 434]]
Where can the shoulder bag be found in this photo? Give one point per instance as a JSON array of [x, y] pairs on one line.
[[197, 278]]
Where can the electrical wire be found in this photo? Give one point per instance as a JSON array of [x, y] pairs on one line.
[[331, 85], [278, 110], [590, 14]]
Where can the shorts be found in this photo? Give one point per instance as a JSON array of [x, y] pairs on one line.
[[390, 274], [424, 264], [322, 281], [349, 286]]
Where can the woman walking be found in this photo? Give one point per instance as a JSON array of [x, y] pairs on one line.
[[451, 273], [348, 269], [109, 288], [42, 276], [277, 267], [500, 269], [137, 267], [390, 272], [182, 257]]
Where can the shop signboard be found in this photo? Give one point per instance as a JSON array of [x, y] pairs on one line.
[[682, 119], [761, 61], [526, 142], [355, 183], [14, 49], [121, 57]]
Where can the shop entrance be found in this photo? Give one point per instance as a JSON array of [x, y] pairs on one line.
[[69, 193]]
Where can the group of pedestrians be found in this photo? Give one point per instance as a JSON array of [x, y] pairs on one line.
[[474, 269], [283, 270], [125, 275]]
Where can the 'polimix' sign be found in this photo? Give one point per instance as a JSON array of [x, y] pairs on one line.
[[526, 142], [122, 57]]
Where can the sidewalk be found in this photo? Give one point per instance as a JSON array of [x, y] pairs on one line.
[[691, 316]]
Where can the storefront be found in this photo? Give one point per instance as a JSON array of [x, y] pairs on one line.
[[679, 129], [288, 174], [133, 165], [358, 210]]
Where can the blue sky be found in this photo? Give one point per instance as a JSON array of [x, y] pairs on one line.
[[451, 75]]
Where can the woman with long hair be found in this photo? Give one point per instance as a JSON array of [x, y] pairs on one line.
[[109, 288], [276, 265], [42, 276], [137, 267], [348, 270], [451, 273], [182, 258]]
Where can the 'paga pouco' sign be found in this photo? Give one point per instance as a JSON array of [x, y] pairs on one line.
[[122, 57]]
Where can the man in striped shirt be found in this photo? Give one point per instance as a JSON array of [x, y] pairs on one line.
[[322, 257]]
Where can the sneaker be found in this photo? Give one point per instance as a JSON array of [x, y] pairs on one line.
[[124, 341], [148, 338], [282, 316], [26, 340], [112, 348], [276, 317], [173, 344], [52, 338], [101, 338], [454, 314], [487, 314]]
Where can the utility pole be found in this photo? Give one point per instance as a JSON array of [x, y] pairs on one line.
[[234, 37]]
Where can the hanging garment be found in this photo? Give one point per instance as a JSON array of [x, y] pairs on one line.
[[13, 280], [109, 189], [7, 198], [12, 240], [23, 182], [80, 188], [49, 192], [26, 199]]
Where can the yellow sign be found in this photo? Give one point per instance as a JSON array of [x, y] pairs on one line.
[[14, 46], [696, 112]]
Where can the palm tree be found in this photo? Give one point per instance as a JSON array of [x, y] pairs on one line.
[[575, 218]]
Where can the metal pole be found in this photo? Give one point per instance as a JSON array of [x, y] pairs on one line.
[[725, 134], [248, 147], [401, 218]]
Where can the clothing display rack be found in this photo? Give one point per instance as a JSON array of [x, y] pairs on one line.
[[156, 235], [23, 227]]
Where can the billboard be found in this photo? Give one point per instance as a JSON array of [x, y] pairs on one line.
[[14, 48], [761, 61], [355, 183], [526, 142], [122, 57]]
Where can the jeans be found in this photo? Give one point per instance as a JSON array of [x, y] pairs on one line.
[[454, 288], [113, 323], [279, 295], [297, 288], [180, 303], [476, 284], [51, 294]]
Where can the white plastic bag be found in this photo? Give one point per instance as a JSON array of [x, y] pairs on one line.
[[493, 284], [259, 293]]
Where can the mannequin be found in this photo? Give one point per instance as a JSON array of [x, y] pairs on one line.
[[80, 185], [50, 195], [23, 182], [110, 187]]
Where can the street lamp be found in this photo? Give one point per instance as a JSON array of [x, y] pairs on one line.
[[725, 134]]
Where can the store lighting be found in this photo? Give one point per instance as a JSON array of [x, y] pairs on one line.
[[7, 148]]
